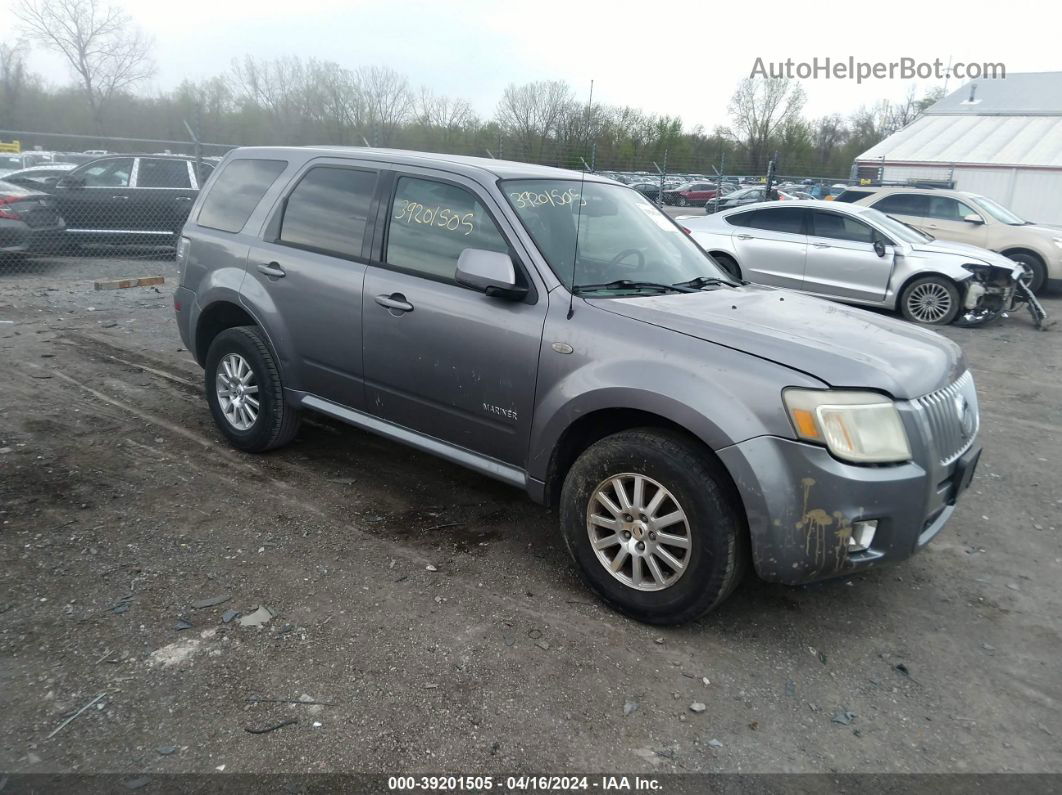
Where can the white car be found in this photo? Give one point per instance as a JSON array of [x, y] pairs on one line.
[[857, 255]]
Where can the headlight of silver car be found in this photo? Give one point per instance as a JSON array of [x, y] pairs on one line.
[[862, 427]]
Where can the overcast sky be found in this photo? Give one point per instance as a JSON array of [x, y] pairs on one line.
[[664, 56]]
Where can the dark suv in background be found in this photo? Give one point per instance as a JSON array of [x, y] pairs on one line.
[[129, 198], [558, 332]]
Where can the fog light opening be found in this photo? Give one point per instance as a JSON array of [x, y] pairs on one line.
[[862, 535]]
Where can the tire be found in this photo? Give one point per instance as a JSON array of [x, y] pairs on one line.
[[1034, 264], [728, 264], [274, 423], [681, 201], [930, 300], [713, 527]]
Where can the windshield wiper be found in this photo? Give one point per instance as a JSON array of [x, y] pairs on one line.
[[628, 284], [703, 281]]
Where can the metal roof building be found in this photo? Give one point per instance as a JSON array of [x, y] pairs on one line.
[[1001, 138]]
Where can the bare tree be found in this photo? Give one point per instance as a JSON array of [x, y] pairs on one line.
[[827, 133], [531, 113], [13, 80], [387, 102], [760, 108], [100, 44]]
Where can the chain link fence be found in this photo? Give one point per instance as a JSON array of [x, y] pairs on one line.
[[76, 206]]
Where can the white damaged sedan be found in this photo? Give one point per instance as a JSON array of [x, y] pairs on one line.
[[860, 256]]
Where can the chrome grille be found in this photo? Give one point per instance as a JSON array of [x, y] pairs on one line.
[[952, 434]]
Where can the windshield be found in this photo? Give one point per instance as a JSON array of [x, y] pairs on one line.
[[10, 162], [898, 230], [998, 211], [622, 235]]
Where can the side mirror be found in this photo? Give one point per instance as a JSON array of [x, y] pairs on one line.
[[879, 248], [70, 182], [973, 218], [490, 272]]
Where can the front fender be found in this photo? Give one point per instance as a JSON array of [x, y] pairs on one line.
[[719, 395]]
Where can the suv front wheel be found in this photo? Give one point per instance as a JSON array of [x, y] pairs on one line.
[[649, 522], [245, 393]]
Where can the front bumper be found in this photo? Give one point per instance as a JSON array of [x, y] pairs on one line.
[[801, 503]]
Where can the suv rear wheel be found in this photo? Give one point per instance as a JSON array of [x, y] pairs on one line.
[[648, 520], [1037, 271], [245, 393]]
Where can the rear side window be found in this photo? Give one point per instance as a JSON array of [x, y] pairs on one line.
[[237, 191], [328, 210], [852, 195], [781, 219], [432, 223], [904, 204], [154, 173]]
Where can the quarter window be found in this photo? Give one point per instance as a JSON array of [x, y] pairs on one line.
[[236, 192], [108, 173], [155, 173], [432, 223], [328, 210], [841, 227]]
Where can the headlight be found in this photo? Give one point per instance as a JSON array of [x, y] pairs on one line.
[[863, 427]]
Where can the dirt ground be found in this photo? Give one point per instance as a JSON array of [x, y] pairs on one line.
[[436, 613]]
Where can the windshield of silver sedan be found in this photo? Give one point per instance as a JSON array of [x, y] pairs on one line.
[[609, 239]]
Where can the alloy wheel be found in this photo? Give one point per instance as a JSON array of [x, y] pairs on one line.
[[929, 302], [639, 532], [237, 391]]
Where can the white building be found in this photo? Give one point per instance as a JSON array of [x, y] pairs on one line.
[[1001, 138]]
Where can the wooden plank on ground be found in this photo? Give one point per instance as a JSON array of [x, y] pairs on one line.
[[121, 284]]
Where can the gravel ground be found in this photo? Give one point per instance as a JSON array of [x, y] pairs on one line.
[[435, 612]]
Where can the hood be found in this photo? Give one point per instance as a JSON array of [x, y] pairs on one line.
[[972, 253], [842, 346]]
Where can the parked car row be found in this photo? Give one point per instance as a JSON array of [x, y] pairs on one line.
[[974, 219], [111, 199], [858, 255]]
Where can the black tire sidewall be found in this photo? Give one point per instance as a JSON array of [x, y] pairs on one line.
[[241, 340], [728, 264], [956, 308], [1039, 271], [714, 525]]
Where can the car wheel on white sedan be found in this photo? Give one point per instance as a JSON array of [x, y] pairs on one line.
[[932, 300]]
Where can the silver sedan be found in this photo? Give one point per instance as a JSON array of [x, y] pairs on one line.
[[857, 255]]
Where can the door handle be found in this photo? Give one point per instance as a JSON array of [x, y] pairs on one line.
[[744, 237], [395, 302], [272, 269], [119, 197], [821, 245], [183, 199]]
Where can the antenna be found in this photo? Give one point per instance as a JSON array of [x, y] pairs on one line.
[[579, 212]]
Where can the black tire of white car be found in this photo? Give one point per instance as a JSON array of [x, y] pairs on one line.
[[929, 282], [717, 552], [728, 264], [276, 422]]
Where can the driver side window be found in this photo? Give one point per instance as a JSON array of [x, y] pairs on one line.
[[108, 173]]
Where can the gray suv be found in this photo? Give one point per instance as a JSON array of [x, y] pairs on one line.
[[558, 332]]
